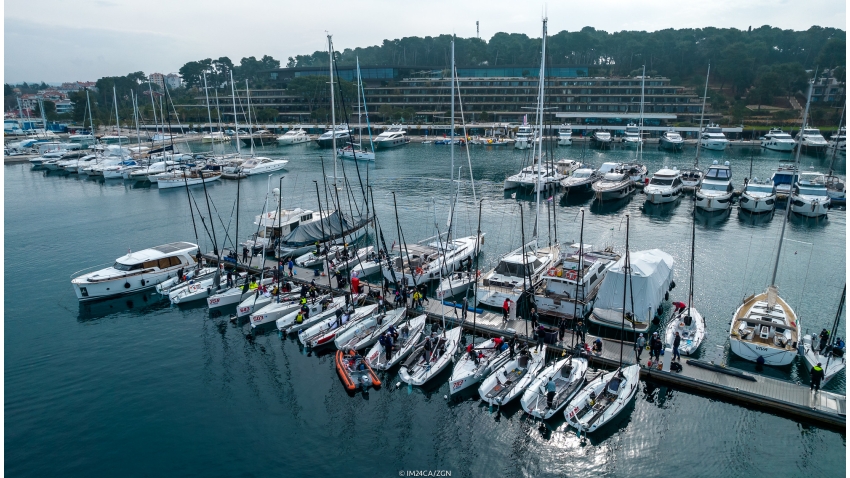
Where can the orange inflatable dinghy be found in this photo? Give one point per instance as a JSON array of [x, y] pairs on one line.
[[355, 371]]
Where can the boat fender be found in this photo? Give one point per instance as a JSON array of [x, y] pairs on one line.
[[667, 295], [672, 284], [419, 271], [551, 271], [126, 285]]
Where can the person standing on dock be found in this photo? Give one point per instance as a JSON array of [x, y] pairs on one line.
[[541, 337], [506, 309], [562, 329], [640, 343], [290, 265], [535, 318], [677, 340], [579, 329], [655, 347], [244, 253], [817, 376]]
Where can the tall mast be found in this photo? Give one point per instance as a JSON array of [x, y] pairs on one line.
[[359, 111], [626, 277], [693, 251], [209, 113], [235, 114], [452, 143], [796, 172], [136, 119], [333, 112], [153, 108], [91, 116], [702, 116], [250, 125], [539, 147], [117, 123]]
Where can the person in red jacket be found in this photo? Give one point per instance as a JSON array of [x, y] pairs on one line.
[[679, 306], [506, 309]]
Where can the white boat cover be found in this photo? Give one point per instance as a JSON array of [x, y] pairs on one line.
[[652, 272]]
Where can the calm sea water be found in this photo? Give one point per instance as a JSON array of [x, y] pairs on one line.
[[135, 387]]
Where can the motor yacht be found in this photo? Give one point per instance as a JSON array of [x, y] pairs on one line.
[[394, 136], [293, 136], [765, 326], [581, 181], [525, 137], [665, 186], [838, 140], [671, 139], [636, 172], [784, 178], [715, 191], [516, 270], [631, 136], [713, 138], [431, 259], [778, 140], [570, 285], [341, 133], [549, 177], [811, 140], [136, 271], [260, 165], [651, 274], [758, 196], [565, 135], [809, 196], [601, 139], [613, 185], [215, 137]]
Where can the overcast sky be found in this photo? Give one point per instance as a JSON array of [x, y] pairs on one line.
[[56, 41]]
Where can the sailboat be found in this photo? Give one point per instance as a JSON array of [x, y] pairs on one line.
[[352, 150], [764, 325], [835, 187], [689, 323], [606, 396], [692, 177], [568, 374], [830, 357]]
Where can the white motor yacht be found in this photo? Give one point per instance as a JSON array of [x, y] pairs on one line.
[[839, 141], [215, 137], [613, 185], [713, 138], [651, 275], [637, 172], [631, 136], [765, 326], [811, 139], [601, 139], [518, 269], [136, 271], [293, 136], [581, 181], [691, 178], [565, 135], [715, 191], [525, 137], [260, 165], [758, 196], [671, 139], [778, 140], [394, 136], [549, 177], [341, 133], [665, 186], [809, 197], [427, 261], [570, 286]]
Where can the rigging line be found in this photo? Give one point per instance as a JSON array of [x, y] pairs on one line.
[[201, 217], [345, 115], [465, 137]]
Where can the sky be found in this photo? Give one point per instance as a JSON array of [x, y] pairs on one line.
[[56, 41]]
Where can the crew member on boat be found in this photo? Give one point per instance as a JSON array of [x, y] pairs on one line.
[[551, 389], [817, 376]]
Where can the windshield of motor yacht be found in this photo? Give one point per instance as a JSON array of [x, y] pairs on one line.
[[718, 173], [715, 187], [126, 267], [580, 174], [514, 269], [811, 190], [781, 136], [759, 188], [655, 181]]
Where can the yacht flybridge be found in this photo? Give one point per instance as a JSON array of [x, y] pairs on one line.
[[715, 192], [778, 140], [394, 136], [136, 271]]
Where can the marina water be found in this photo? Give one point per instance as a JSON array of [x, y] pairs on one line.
[[136, 387]]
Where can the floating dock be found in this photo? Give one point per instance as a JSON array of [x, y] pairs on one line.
[[758, 391]]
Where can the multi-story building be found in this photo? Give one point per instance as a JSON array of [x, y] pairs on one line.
[[502, 95], [828, 90], [64, 107], [157, 79], [173, 80]]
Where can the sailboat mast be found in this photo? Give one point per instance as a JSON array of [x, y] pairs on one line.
[[693, 250], [702, 116], [333, 111], [626, 277], [452, 143], [117, 123], [795, 174], [209, 113], [580, 266], [235, 114], [250, 124], [539, 146], [640, 126], [359, 111], [136, 119], [153, 109], [91, 116]]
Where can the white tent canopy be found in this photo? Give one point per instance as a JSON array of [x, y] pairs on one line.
[[652, 273]]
